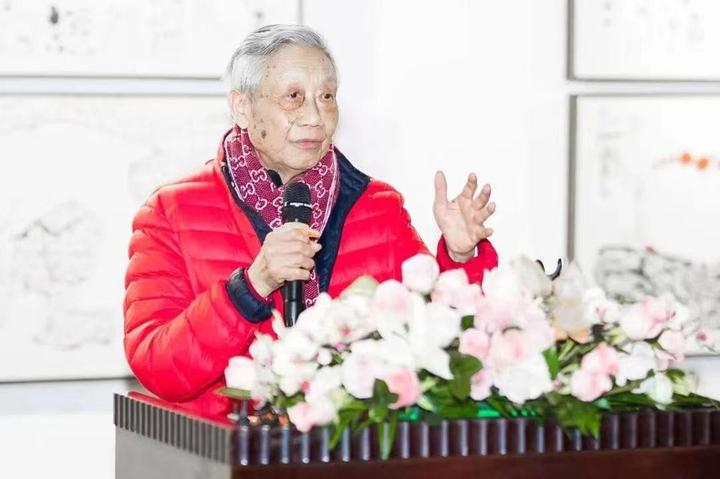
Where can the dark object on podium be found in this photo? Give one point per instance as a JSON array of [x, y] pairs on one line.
[[156, 439]]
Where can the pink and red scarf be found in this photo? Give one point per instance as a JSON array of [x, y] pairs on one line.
[[255, 188]]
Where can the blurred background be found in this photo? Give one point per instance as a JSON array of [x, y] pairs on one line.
[[595, 121]]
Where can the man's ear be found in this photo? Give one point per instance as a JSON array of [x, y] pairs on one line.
[[239, 108]]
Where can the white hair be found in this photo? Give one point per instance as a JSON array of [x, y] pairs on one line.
[[246, 65]]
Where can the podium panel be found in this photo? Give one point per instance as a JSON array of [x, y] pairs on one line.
[[157, 439]]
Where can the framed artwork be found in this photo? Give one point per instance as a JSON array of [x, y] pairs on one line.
[[74, 170], [130, 38], [645, 196], [650, 40]]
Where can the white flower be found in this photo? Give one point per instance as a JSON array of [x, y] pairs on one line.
[[680, 314], [429, 333], [278, 324], [362, 367], [324, 382], [298, 378], [294, 349], [324, 357], [636, 363], [573, 304], [532, 276], [240, 373], [658, 387], [598, 308], [686, 385], [437, 362], [674, 343], [638, 322], [393, 306], [452, 289], [294, 360], [525, 380], [420, 272], [261, 349], [440, 325], [502, 284]]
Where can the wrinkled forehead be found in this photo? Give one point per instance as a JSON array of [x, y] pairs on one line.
[[294, 64]]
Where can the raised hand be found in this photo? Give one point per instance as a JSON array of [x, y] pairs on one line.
[[462, 220]]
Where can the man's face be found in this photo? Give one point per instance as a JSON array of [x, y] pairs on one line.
[[292, 116]]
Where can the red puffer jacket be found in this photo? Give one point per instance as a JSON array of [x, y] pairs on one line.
[[182, 326]]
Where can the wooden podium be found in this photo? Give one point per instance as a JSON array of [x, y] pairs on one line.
[[155, 439]]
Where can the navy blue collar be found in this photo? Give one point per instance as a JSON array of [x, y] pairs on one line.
[[353, 183]]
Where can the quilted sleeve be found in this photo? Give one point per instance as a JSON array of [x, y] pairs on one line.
[[408, 244], [176, 342]]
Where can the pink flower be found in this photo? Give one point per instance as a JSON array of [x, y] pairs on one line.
[[452, 288], [588, 386], [480, 384], [448, 282], [392, 297], [601, 360], [474, 343], [493, 315], [359, 372], [674, 343], [420, 272], [301, 415], [507, 348], [406, 385], [645, 320], [305, 415]]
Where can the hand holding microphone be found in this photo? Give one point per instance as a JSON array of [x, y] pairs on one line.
[[286, 256]]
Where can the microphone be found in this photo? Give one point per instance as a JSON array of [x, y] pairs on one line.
[[297, 206]]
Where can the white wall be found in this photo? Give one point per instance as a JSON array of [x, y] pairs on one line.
[[472, 86]]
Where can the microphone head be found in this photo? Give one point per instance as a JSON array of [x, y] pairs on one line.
[[297, 205]]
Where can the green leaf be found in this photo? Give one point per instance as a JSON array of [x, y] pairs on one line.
[[381, 394], [502, 406], [462, 367], [344, 420], [235, 393], [573, 413], [675, 375], [467, 322], [378, 412], [386, 435], [380, 402], [553, 363], [425, 403]]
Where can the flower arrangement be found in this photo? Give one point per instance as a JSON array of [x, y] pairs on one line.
[[436, 346]]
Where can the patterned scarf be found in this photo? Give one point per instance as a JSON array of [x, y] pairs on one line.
[[255, 188]]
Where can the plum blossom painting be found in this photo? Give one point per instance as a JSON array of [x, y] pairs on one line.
[[645, 197]]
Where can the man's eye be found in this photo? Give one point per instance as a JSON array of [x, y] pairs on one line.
[[328, 96], [294, 95]]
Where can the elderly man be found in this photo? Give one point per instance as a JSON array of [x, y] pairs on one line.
[[209, 252]]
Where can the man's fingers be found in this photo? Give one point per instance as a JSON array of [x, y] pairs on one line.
[[440, 188], [482, 198], [470, 187], [292, 274]]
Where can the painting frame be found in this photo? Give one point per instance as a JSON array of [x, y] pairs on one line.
[[572, 238], [64, 372], [572, 52]]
